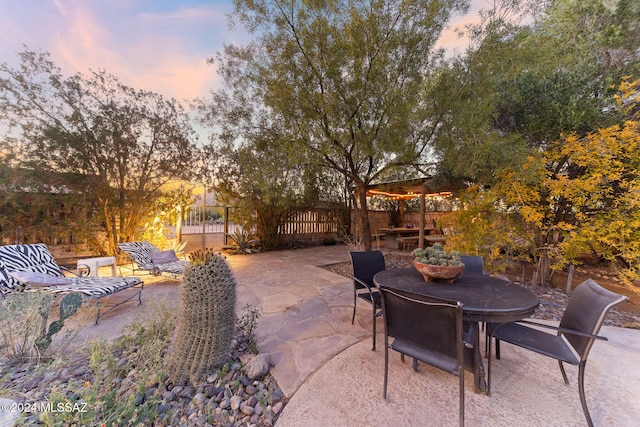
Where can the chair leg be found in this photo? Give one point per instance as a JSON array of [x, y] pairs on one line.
[[564, 374], [461, 415], [583, 400], [386, 369], [489, 366], [353, 317], [374, 327]]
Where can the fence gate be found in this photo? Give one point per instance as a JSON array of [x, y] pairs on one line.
[[209, 224]]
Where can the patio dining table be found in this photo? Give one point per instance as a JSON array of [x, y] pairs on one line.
[[484, 298]]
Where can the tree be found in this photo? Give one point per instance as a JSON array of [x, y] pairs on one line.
[[125, 143], [344, 78], [522, 84], [578, 196]]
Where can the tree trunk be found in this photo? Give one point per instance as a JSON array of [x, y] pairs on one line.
[[363, 215], [179, 220]]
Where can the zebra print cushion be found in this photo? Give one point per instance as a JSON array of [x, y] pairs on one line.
[[96, 287], [142, 251], [37, 258], [175, 267]]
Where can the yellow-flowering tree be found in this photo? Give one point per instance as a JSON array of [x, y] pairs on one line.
[[598, 177], [580, 194]]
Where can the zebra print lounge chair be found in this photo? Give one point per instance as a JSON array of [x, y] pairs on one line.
[[145, 256], [33, 268]]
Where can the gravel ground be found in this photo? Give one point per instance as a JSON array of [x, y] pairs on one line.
[[232, 399]]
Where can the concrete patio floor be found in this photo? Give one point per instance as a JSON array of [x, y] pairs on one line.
[[326, 368]]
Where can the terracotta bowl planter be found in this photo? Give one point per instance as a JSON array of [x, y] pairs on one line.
[[443, 272]]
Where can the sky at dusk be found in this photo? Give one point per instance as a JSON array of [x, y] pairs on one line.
[[157, 45]]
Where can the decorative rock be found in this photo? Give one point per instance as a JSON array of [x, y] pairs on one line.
[[225, 403], [276, 396], [235, 402], [276, 408], [252, 401], [258, 367], [231, 403]]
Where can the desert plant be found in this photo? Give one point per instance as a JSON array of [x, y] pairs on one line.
[[144, 342], [23, 323], [436, 255], [249, 323], [243, 242], [206, 319], [69, 304]]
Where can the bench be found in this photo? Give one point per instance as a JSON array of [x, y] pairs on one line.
[[405, 241], [33, 268]]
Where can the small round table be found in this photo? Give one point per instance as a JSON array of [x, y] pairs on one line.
[[484, 299]]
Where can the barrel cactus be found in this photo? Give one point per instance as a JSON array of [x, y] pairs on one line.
[[206, 319]]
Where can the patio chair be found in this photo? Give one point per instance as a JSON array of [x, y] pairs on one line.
[[572, 342], [428, 330], [144, 256], [32, 268], [473, 264], [365, 266]]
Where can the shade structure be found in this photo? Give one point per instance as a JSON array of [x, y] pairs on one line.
[[406, 190]]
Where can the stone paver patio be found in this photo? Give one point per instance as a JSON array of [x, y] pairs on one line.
[[325, 365]]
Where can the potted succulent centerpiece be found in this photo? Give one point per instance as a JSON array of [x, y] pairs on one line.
[[434, 263]]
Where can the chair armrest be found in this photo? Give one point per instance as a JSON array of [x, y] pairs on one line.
[[565, 330], [362, 283], [73, 273]]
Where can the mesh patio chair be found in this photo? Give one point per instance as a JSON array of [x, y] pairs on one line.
[[365, 266], [427, 329], [572, 342], [473, 264]]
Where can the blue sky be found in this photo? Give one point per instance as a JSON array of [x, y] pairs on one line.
[[158, 45]]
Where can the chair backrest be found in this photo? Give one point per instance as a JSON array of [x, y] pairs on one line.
[[33, 257], [585, 312], [473, 264], [140, 251], [365, 265], [427, 322]]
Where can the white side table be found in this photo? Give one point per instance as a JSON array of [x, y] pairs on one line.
[[95, 263]]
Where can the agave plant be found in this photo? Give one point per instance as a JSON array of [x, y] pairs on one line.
[[243, 243]]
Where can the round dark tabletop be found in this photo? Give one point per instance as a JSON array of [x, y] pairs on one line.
[[484, 298]]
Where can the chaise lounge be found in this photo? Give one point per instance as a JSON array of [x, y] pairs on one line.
[[31, 267], [145, 256]]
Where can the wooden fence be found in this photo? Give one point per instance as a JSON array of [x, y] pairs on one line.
[[310, 226]]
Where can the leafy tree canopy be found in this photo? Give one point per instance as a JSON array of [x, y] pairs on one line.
[[343, 78], [126, 142]]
